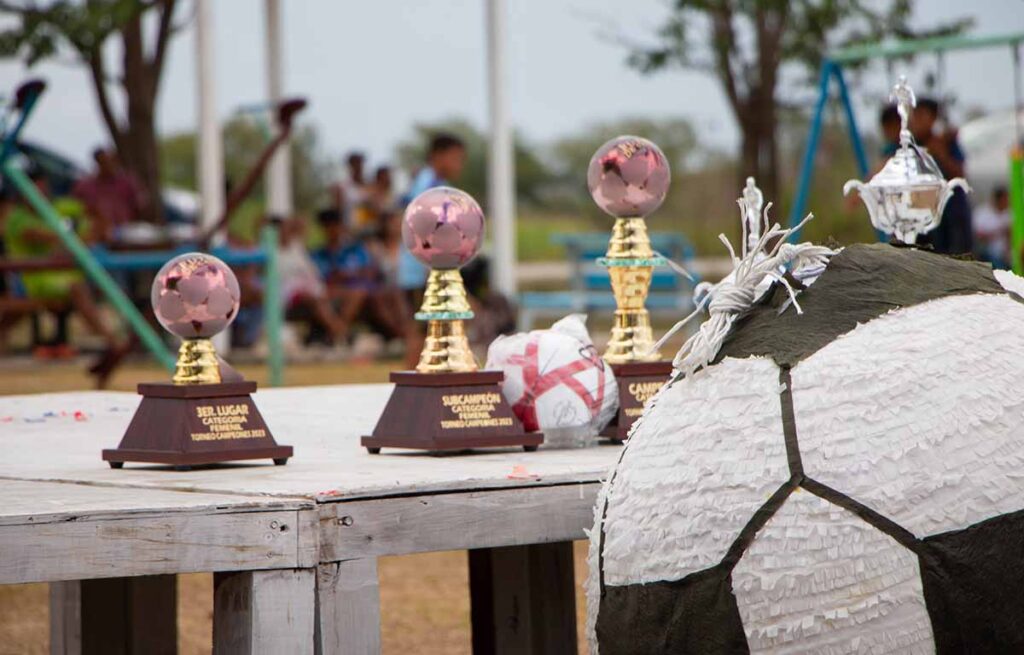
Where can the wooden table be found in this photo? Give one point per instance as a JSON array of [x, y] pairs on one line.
[[293, 548]]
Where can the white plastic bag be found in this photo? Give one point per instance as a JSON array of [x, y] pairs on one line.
[[557, 382]]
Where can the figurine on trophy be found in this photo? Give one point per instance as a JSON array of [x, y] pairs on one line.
[[628, 178], [446, 403], [206, 414], [907, 197]]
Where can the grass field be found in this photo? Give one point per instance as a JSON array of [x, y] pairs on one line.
[[424, 598]]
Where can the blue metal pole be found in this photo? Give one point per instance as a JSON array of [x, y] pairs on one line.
[[807, 167], [855, 140], [11, 138], [851, 124]]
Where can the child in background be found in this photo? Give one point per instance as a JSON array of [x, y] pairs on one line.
[[302, 288], [354, 282], [992, 229]]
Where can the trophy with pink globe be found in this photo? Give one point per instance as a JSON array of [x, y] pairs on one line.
[[446, 403], [628, 178], [205, 415]]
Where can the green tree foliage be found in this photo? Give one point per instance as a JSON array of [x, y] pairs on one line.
[[761, 50], [244, 139], [39, 30]]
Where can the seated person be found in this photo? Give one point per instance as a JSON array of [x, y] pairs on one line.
[[354, 280], [992, 230], [302, 287], [247, 327], [27, 236]]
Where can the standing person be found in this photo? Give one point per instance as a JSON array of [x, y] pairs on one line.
[[446, 157], [352, 193], [953, 235], [992, 229], [889, 123], [380, 195], [112, 195]]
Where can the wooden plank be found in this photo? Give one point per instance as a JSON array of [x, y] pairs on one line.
[[481, 519], [324, 425], [523, 600], [35, 503], [66, 618], [264, 612], [174, 543], [114, 616], [348, 608]]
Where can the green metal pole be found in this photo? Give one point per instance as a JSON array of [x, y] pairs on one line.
[[96, 273], [273, 307], [1017, 208]]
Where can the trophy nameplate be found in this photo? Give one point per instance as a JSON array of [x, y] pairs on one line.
[[192, 425], [446, 403], [207, 416], [638, 382], [449, 411]]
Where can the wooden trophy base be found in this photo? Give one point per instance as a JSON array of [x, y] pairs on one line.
[[637, 381], [194, 424], [448, 411]]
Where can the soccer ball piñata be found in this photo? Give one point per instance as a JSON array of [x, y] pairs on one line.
[[849, 479]]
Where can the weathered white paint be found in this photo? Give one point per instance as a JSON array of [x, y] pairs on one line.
[[323, 424], [482, 519], [348, 608], [264, 612], [82, 531]]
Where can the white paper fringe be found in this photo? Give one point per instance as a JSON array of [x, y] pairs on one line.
[[818, 579], [917, 414]]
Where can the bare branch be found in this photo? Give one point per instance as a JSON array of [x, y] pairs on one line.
[[163, 37], [99, 80]]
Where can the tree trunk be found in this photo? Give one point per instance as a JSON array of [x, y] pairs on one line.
[[758, 148], [139, 149]]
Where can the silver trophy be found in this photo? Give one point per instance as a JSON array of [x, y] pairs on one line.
[[906, 198]]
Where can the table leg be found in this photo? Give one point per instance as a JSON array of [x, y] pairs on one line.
[[523, 599], [348, 608], [115, 616], [264, 612]]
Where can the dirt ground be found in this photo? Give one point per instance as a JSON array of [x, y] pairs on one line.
[[424, 598]]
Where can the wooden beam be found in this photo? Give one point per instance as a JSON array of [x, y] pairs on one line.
[[66, 618], [148, 544], [115, 616], [523, 600], [348, 608], [480, 519], [264, 612]]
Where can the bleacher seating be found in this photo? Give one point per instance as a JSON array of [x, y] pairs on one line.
[[590, 289]]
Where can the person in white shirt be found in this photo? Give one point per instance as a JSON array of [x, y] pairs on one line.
[[992, 230]]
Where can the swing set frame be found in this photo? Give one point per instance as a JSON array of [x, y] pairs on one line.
[[832, 70]]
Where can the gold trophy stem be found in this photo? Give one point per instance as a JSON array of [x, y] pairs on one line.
[[197, 363], [446, 349], [632, 339], [445, 306]]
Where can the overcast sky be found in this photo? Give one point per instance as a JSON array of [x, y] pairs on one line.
[[372, 69]]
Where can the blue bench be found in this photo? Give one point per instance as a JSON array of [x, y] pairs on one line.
[[671, 294]]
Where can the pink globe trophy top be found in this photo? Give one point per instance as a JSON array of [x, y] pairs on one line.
[[443, 228], [628, 177], [195, 296]]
